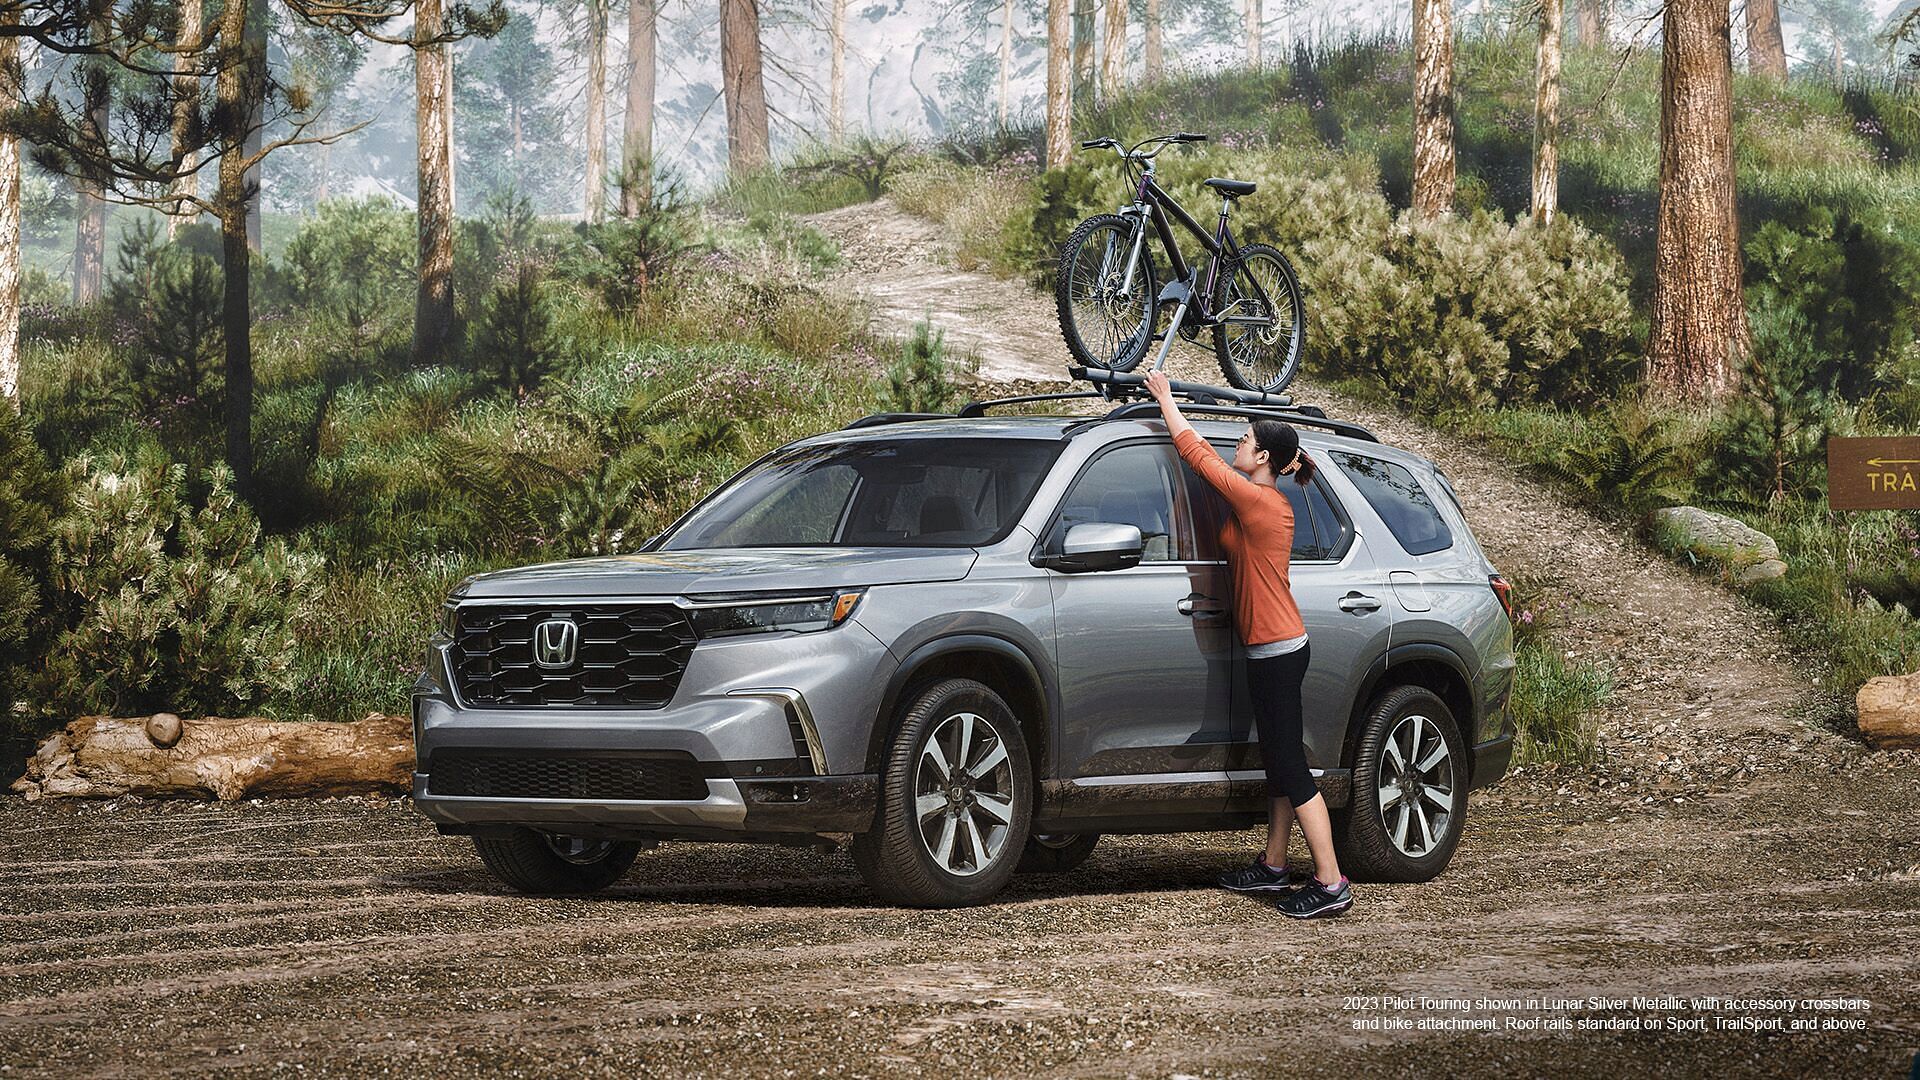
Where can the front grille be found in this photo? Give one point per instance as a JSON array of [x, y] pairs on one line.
[[515, 774], [626, 656]]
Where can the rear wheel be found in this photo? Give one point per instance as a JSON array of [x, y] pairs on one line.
[[1262, 352], [1056, 853], [1106, 319], [1409, 802], [956, 794], [541, 862]]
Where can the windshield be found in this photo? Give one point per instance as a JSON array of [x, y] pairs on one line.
[[900, 493]]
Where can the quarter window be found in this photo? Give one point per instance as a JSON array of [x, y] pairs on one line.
[[1400, 501]]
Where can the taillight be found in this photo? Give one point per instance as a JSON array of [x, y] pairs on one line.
[[1503, 589]]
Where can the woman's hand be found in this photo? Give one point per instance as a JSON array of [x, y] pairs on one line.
[[1160, 386]]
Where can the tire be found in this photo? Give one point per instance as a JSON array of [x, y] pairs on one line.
[[1056, 854], [1254, 357], [902, 857], [1104, 327], [1375, 845], [548, 863]]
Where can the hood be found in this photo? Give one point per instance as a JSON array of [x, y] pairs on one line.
[[720, 570]]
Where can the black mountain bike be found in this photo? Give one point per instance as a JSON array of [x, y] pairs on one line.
[[1109, 295]]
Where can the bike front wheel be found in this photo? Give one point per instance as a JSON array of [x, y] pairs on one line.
[[1106, 312], [1262, 327]]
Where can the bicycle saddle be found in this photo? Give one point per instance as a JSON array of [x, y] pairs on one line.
[[1232, 189]]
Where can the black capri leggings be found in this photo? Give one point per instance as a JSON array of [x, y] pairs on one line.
[[1275, 684]]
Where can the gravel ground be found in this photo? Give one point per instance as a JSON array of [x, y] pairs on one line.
[[1730, 844]]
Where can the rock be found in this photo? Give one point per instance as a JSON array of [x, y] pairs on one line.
[[1748, 554], [104, 757], [1890, 711], [163, 729]]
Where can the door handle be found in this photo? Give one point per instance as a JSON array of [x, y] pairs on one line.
[[1358, 602], [1199, 607]]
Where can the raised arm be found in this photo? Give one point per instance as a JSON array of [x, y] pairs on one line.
[[1240, 492]]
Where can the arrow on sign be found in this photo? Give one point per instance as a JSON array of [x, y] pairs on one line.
[[1877, 462]]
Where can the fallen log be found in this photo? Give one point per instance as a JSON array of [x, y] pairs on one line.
[[161, 755]]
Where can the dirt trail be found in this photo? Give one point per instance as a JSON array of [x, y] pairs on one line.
[[1725, 847]]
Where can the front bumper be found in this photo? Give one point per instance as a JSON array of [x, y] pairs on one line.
[[734, 809]]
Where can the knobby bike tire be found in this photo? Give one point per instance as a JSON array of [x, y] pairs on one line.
[[1260, 358], [1105, 332]]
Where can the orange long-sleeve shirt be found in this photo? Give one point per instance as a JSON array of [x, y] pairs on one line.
[[1258, 538]]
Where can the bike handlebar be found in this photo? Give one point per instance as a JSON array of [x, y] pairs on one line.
[[1114, 144]]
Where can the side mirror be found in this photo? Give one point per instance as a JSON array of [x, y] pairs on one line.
[[1098, 545]]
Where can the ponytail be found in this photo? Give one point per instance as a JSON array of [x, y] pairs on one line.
[[1304, 474]]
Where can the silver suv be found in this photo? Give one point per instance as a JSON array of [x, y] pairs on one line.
[[969, 645]]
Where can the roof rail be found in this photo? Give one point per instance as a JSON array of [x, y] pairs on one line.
[[1316, 418], [879, 418], [979, 408]]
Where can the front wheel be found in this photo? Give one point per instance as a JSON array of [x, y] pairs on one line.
[[1409, 802], [1262, 328], [540, 862], [956, 794], [1106, 293]]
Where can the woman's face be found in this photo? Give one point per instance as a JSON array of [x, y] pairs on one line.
[[1247, 455]]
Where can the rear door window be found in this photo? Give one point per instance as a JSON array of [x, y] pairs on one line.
[[1319, 529], [1400, 501]]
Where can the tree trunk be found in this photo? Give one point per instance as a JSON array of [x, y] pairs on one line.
[[256, 115], [186, 89], [743, 82], [1113, 49], [1059, 85], [1433, 169], [1156, 56], [1082, 54], [323, 187], [433, 302], [1253, 17], [10, 236], [1546, 116], [837, 80], [1839, 56], [636, 143], [1006, 57], [1592, 27], [596, 194], [102, 757], [1699, 333], [233, 88], [1766, 49], [90, 219]]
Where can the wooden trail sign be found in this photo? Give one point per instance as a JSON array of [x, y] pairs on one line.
[[1874, 474]]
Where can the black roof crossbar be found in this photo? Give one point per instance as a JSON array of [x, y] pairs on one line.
[[979, 408], [879, 418], [1126, 383], [1133, 409]]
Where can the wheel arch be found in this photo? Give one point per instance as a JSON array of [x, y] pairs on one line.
[[1424, 664], [995, 661]]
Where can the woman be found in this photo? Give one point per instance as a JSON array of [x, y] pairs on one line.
[[1258, 538]]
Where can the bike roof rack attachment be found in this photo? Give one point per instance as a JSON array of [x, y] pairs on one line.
[[979, 408], [1212, 401]]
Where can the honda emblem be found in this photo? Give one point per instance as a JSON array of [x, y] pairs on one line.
[[554, 643]]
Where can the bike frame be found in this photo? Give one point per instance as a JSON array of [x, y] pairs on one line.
[[1152, 202]]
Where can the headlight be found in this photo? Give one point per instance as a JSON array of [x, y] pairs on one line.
[[758, 616], [449, 620]]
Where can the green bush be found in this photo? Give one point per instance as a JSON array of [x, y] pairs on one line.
[[164, 599], [923, 378], [357, 258], [622, 258], [30, 497], [513, 340]]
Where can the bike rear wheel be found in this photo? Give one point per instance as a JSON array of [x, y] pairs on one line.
[[1262, 354], [1107, 320]]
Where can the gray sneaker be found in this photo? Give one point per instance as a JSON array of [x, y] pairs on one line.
[[1257, 876], [1314, 900]]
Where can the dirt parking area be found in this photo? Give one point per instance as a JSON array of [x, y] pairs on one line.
[[345, 938]]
